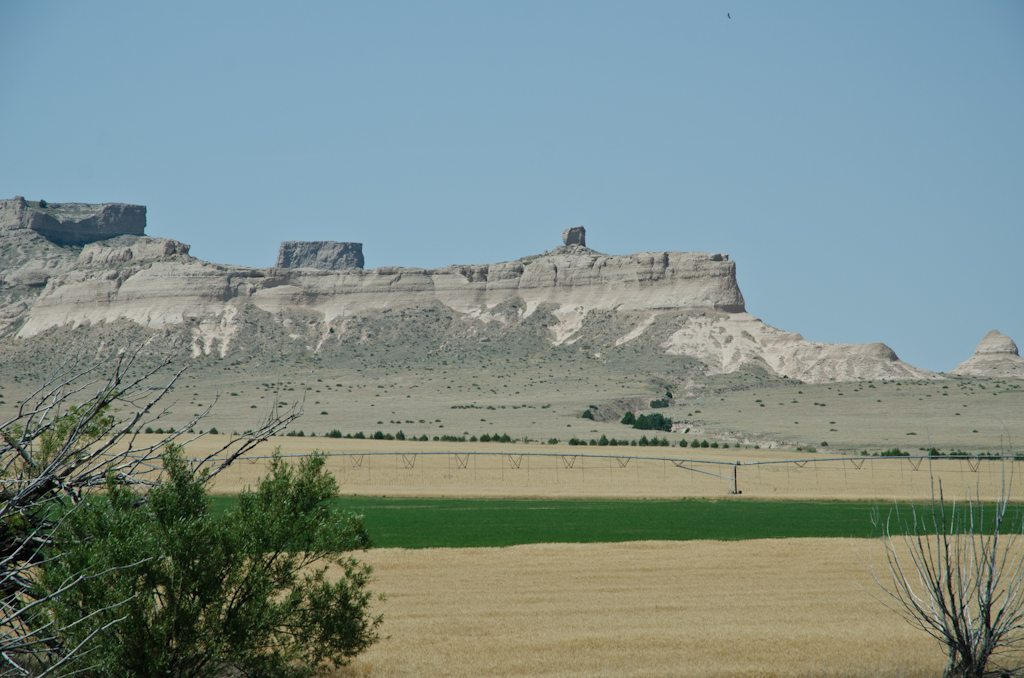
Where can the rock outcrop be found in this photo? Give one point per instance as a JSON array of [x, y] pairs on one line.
[[324, 255], [996, 356], [675, 303], [575, 283], [728, 343], [72, 223], [577, 235]]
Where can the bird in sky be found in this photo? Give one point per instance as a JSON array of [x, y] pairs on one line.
[[728, 15]]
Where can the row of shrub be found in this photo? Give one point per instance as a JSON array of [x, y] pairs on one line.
[[934, 452], [150, 429], [380, 435], [605, 441], [643, 442], [506, 438]]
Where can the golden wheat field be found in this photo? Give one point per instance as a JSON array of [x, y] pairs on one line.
[[755, 608], [426, 469], [793, 607]]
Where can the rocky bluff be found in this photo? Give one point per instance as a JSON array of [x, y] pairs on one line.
[[656, 303], [72, 223]]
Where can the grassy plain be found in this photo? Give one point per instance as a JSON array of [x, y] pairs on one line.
[[849, 417], [782, 608], [541, 391]]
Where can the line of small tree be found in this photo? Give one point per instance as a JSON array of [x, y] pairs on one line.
[[935, 452], [447, 438], [605, 441], [703, 443]]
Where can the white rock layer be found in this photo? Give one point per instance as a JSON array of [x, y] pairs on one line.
[[996, 356]]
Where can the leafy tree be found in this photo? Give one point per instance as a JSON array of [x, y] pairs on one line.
[[587, 414], [55, 452], [628, 419], [653, 422], [243, 593]]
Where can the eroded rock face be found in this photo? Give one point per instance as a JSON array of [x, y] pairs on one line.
[[728, 343], [996, 342], [73, 223], [689, 301], [324, 255], [577, 235], [996, 356]]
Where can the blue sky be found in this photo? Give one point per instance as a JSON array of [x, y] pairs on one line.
[[863, 163]]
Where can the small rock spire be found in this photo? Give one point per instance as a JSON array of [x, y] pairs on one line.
[[577, 235]]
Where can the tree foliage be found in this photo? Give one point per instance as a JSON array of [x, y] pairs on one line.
[[202, 595], [653, 422], [76, 433]]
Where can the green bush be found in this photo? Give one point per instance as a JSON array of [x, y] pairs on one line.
[[656, 404], [242, 593], [628, 419], [587, 414], [333, 434], [603, 442], [704, 443], [653, 422], [694, 443], [552, 441]]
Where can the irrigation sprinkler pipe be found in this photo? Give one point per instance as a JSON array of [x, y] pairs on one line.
[[1004, 457]]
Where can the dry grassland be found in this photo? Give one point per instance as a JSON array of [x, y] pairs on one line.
[[754, 608]]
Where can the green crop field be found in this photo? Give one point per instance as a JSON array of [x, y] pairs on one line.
[[461, 523]]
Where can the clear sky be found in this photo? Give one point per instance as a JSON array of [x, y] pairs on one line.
[[862, 162]]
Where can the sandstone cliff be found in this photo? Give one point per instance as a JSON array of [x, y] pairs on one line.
[[103, 287], [661, 303], [72, 223], [996, 356]]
